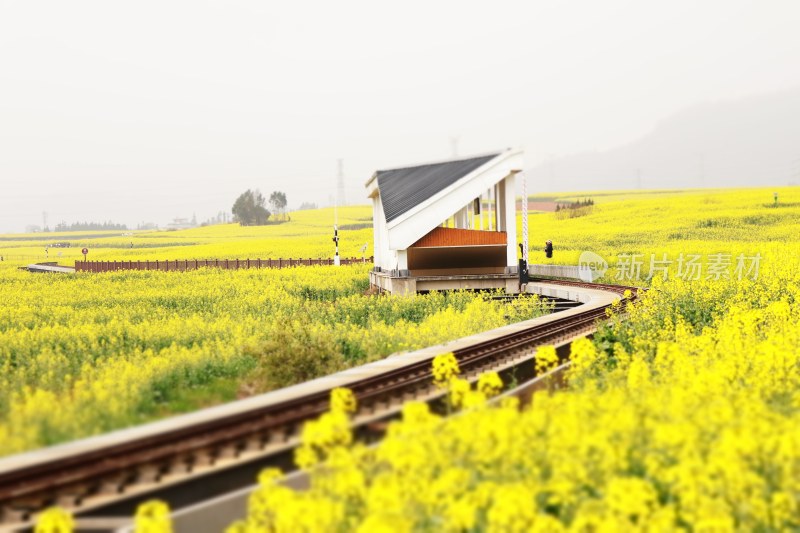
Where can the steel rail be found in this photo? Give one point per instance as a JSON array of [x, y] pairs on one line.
[[111, 472]]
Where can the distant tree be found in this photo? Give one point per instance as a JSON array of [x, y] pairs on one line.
[[249, 210], [307, 205], [82, 226], [278, 202]]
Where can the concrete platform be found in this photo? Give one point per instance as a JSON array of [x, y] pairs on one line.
[[409, 283], [404, 285], [554, 271], [49, 268]]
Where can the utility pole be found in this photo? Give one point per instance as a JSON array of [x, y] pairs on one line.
[[339, 199], [44, 220]]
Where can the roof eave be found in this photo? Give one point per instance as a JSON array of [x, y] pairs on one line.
[[489, 164], [374, 176]]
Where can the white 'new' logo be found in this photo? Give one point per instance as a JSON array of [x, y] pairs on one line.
[[591, 266]]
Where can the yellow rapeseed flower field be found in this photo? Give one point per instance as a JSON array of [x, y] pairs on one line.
[[306, 234], [693, 223], [684, 416], [87, 353]]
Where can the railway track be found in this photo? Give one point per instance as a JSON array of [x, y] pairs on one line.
[[194, 457]]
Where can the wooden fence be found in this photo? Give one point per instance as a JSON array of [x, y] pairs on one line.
[[193, 264]]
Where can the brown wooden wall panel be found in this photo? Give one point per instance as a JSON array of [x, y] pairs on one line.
[[446, 259], [461, 237], [192, 264]]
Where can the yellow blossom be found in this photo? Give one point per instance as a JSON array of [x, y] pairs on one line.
[[490, 384], [546, 359], [343, 400], [54, 520], [153, 517], [445, 367]]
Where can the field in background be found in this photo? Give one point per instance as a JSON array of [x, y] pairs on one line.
[[621, 222], [307, 235], [616, 196], [699, 222]]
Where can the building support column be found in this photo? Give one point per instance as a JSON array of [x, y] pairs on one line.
[[402, 261], [480, 212], [463, 218], [377, 246], [489, 209], [510, 219], [496, 213], [524, 210]]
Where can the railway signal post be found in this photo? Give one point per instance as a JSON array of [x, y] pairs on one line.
[[336, 260]]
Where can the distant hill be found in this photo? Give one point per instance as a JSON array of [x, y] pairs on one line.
[[746, 142]]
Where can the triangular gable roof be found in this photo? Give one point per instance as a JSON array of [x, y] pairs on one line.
[[402, 189]]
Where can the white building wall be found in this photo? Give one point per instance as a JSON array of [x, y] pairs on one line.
[[412, 225], [384, 256], [377, 230], [393, 239], [510, 222]]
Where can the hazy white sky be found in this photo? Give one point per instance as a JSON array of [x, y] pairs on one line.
[[148, 110]]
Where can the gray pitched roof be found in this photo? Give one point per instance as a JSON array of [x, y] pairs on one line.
[[404, 188]]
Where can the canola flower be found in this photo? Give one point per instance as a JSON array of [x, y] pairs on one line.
[[152, 517], [340, 485], [306, 235], [546, 359], [54, 520], [343, 399], [331, 432], [683, 416], [85, 354], [703, 222], [445, 368], [490, 384], [460, 394]]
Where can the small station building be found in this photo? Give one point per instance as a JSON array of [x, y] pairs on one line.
[[447, 225]]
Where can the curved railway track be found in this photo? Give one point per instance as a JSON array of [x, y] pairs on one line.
[[225, 446]]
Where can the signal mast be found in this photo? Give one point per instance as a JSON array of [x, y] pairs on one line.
[[339, 198]]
